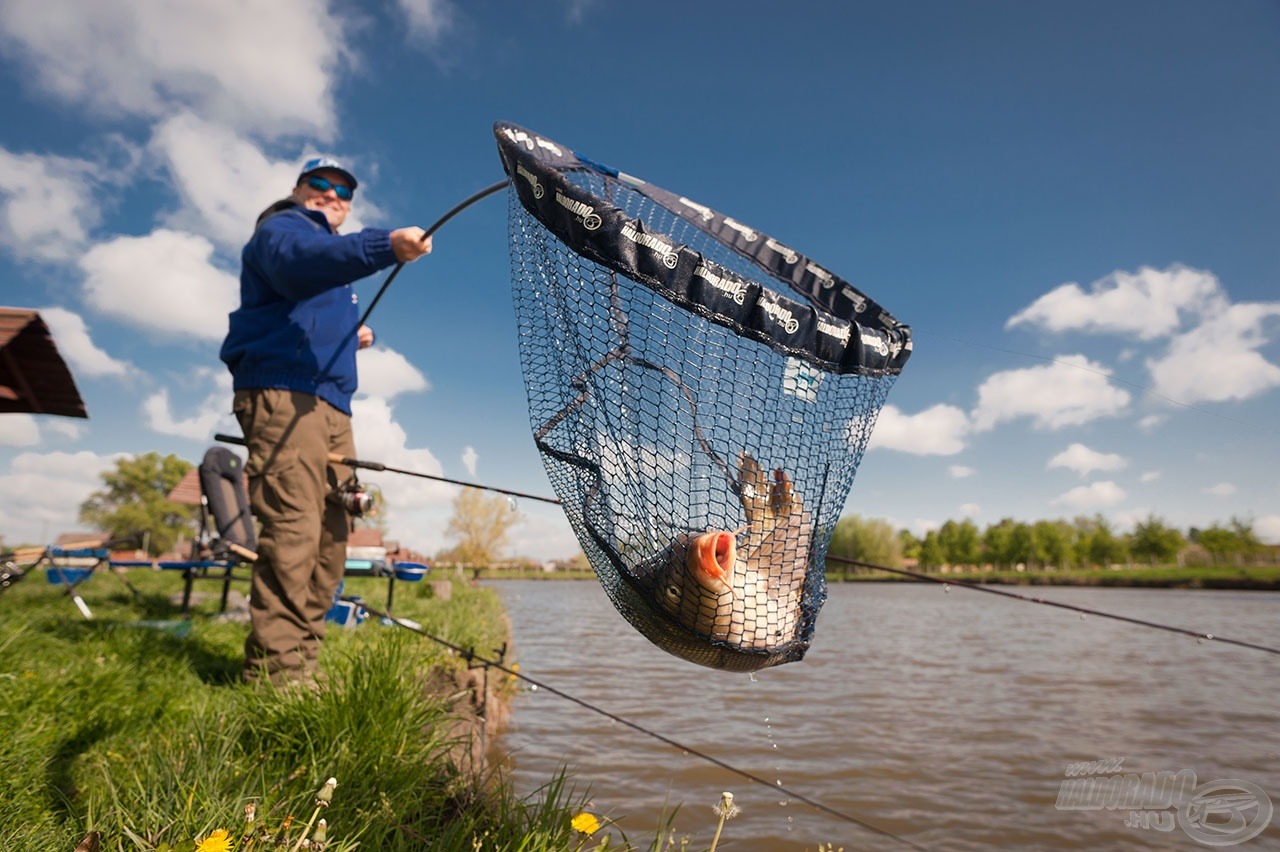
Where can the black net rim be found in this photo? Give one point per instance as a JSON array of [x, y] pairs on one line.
[[829, 323]]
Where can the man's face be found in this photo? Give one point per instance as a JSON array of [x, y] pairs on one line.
[[325, 201]]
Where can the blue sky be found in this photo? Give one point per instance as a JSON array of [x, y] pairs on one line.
[[1073, 204]]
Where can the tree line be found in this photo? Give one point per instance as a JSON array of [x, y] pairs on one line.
[[133, 503], [1083, 542]]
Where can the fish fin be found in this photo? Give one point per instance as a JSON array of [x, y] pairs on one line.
[[784, 500], [754, 489]]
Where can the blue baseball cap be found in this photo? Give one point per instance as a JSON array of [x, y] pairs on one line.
[[321, 164]]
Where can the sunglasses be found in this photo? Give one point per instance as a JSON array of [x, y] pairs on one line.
[[319, 184]]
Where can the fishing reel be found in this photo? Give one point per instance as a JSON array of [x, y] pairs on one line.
[[358, 499]]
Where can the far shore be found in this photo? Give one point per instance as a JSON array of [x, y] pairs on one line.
[[1252, 578]]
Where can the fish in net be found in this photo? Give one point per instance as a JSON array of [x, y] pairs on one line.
[[701, 396]]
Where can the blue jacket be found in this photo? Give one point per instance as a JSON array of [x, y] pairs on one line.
[[296, 325]]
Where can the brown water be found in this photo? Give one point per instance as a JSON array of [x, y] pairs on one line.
[[946, 718]]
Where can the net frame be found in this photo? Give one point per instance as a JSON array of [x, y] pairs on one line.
[[608, 271]]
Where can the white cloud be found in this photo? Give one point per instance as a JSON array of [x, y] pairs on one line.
[[19, 430], [543, 536], [40, 495], [417, 509], [1222, 489], [27, 430], [1268, 529], [210, 415], [163, 283], [385, 373], [1149, 476], [469, 459], [938, 431], [267, 66], [1149, 303], [969, 510], [224, 180], [1149, 423], [46, 206], [427, 19], [1069, 392], [960, 471], [1082, 460], [71, 336], [1218, 360], [1088, 497]]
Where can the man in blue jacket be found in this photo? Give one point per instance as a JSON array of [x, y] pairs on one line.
[[291, 349]]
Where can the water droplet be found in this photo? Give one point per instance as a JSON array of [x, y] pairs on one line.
[[1083, 616], [775, 745], [946, 588], [1208, 635], [778, 782]]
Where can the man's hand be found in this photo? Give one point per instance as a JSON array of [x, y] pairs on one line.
[[365, 337], [410, 243]]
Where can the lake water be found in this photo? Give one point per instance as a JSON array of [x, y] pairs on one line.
[[948, 718]]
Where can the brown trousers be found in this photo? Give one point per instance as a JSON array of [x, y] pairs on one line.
[[302, 548]]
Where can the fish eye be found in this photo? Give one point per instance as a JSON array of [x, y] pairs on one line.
[[672, 591]]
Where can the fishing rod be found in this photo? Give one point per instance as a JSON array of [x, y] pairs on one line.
[[458, 208], [1038, 600], [338, 458], [471, 657]]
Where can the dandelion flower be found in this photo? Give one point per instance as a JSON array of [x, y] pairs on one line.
[[586, 823], [217, 841]]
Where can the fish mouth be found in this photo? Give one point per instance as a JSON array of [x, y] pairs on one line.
[[711, 557]]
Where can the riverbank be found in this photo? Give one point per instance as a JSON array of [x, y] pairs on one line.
[[1258, 577], [134, 726], [1254, 578]]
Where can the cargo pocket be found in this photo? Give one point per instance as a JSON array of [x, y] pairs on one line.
[[284, 489]]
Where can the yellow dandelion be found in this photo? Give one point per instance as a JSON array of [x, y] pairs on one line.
[[586, 823], [217, 841]]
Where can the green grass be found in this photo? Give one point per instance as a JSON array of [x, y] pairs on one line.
[[136, 725]]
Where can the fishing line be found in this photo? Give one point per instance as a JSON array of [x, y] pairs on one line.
[[1080, 609], [471, 656], [379, 466]]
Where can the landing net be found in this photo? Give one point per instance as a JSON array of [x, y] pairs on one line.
[[701, 396]]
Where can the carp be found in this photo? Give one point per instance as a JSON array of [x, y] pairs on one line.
[[740, 587]]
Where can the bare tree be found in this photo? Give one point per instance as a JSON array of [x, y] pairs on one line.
[[480, 524]]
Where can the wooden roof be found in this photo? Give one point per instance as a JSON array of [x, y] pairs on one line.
[[33, 377]]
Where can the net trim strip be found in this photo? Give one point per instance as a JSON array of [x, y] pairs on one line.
[[836, 328]]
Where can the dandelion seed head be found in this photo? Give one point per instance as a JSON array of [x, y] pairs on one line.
[[726, 808]]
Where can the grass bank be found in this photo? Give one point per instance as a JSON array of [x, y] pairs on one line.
[[135, 726]]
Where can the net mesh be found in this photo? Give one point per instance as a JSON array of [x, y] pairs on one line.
[[703, 471]]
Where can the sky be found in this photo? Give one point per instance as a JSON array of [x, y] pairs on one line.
[[1073, 204]]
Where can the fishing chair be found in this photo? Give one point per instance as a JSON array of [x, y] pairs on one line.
[[226, 538]]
